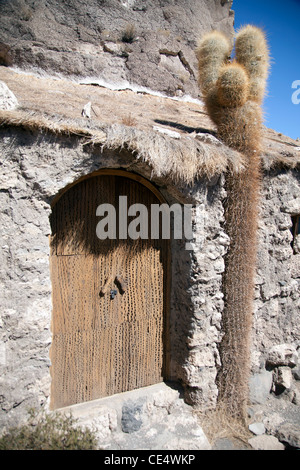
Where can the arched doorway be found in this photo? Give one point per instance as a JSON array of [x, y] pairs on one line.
[[110, 296]]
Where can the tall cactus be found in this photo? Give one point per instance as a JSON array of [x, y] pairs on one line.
[[233, 90]]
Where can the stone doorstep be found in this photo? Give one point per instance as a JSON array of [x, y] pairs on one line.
[[115, 402], [153, 417]]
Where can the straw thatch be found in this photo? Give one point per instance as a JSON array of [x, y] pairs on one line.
[[175, 137], [181, 159]]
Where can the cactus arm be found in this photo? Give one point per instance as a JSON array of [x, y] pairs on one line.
[[212, 52], [251, 51]]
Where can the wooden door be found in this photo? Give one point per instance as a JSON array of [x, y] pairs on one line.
[[104, 344]]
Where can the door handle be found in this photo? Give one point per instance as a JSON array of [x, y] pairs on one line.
[[121, 283], [105, 286]]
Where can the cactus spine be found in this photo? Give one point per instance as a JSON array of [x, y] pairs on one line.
[[233, 91]]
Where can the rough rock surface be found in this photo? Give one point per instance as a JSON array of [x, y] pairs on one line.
[[257, 428], [151, 418], [276, 334], [280, 418], [282, 355], [266, 442], [260, 386], [150, 43], [34, 169], [7, 98]]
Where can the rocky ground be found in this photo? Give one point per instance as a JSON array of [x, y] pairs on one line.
[[275, 397], [151, 418], [156, 418]]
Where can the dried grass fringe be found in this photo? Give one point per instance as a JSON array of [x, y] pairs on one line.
[[219, 424], [183, 160]]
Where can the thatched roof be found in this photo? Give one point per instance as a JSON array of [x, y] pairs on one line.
[[175, 136]]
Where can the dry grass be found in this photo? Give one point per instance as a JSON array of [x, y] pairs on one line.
[[42, 123], [55, 105], [276, 159], [219, 424], [129, 121], [182, 160], [66, 99], [129, 34]]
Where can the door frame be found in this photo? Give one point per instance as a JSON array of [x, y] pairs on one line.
[[166, 313], [112, 172]]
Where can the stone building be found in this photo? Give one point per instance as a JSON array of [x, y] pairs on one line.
[[68, 147]]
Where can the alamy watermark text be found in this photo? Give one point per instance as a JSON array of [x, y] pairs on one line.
[[157, 221], [296, 94]]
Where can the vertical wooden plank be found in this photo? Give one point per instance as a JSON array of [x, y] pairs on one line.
[[145, 297], [74, 219]]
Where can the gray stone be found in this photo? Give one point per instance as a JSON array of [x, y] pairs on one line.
[[296, 373], [229, 444], [296, 245], [282, 379], [260, 386], [86, 110], [131, 416], [31, 176], [90, 41], [278, 275], [265, 442], [282, 355], [296, 393], [290, 434], [281, 419], [8, 101], [257, 428]]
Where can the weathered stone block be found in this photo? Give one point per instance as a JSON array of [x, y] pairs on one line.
[[282, 379], [265, 442], [282, 355], [131, 415], [260, 387]]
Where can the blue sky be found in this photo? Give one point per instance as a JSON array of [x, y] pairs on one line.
[[281, 22]]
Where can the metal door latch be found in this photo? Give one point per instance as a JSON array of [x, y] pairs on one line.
[[120, 283], [113, 293], [105, 287]]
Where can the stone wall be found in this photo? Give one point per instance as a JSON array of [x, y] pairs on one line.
[[196, 317], [35, 168], [276, 330], [276, 318]]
